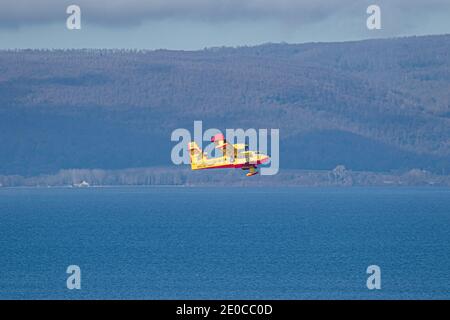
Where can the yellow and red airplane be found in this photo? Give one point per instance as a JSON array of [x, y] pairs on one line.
[[234, 156]]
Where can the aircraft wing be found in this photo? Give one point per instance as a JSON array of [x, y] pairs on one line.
[[229, 150]]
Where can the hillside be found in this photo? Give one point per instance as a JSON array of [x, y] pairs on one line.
[[375, 105]]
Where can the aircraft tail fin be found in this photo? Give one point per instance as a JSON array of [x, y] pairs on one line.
[[195, 154]]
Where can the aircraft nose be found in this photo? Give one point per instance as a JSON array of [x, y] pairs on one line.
[[265, 158]]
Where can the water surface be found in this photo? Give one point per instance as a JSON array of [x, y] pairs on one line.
[[225, 243]]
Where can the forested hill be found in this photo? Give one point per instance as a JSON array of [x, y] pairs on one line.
[[374, 105]]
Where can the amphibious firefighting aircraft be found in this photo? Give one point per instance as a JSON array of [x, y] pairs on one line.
[[234, 156]]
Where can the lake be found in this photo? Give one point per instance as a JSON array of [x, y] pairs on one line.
[[224, 243]]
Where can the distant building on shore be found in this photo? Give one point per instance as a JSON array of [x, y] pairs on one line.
[[83, 184]]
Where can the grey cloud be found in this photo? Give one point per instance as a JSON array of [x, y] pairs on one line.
[[18, 13]]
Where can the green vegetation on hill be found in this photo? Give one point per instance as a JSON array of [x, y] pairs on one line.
[[374, 105]]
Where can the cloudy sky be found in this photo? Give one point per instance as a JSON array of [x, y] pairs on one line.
[[195, 24]]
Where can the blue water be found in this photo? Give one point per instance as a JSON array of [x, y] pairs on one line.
[[224, 243]]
